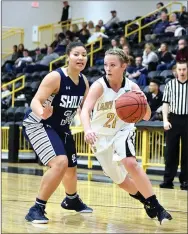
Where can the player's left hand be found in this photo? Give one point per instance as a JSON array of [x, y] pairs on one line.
[[47, 111], [90, 137]]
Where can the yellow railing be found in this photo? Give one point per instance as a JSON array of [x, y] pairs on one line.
[[46, 32], [170, 9], [150, 144], [14, 89], [10, 37], [91, 52]]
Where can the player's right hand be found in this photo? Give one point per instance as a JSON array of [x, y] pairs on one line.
[[90, 137], [167, 125], [47, 111]]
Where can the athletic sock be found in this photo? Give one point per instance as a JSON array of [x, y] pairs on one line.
[[139, 196], [40, 203], [72, 196]]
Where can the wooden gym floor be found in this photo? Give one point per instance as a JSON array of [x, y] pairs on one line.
[[114, 210]]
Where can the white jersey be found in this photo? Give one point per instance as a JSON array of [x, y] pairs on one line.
[[104, 120]]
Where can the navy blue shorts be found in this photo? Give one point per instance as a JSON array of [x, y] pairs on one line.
[[47, 143]]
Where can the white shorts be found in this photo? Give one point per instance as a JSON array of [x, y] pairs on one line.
[[110, 150]]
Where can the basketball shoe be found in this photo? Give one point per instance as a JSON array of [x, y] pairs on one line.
[[36, 215], [75, 204]]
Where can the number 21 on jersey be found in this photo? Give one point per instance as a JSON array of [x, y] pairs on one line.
[[111, 122]]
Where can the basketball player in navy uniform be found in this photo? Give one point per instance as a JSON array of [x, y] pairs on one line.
[[112, 140], [46, 126]]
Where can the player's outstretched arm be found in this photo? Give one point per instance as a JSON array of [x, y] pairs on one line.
[[50, 85], [136, 88], [95, 92]]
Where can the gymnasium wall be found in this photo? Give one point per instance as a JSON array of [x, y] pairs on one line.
[[21, 14]]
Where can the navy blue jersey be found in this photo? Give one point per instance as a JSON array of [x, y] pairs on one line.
[[65, 102]]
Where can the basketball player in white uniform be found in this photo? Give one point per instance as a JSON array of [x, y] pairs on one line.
[[112, 140]]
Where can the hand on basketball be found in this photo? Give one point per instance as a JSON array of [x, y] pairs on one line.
[[167, 125], [47, 111], [90, 137]]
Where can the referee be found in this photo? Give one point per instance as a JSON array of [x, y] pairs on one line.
[[175, 121]]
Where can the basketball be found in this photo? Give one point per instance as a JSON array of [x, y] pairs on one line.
[[131, 107]]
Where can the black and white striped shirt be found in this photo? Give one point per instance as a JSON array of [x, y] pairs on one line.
[[176, 94]]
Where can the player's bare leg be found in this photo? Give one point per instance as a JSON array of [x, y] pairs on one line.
[[72, 200], [143, 185], [50, 181]]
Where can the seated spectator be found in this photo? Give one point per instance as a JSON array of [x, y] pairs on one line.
[[165, 58], [156, 15], [113, 20], [75, 29], [154, 98], [182, 53], [101, 24], [38, 55], [91, 27], [84, 36], [62, 43], [173, 25], [4, 91], [21, 63], [114, 43], [131, 65], [158, 28], [55, 42], [97, 34], [43, 65], [7, 66], [20, 50], [150, 58], [122, 42], [127, 50], [139, 73], [184, 17]]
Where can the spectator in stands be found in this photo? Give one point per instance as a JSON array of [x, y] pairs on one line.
[[182, 53], [154, 98], [101, 24], [150, 58], [113, 20], [38, 55], [20, 50], [91, 27], [159, 5], [7, 66], [127, 50], [4, 91], [75, 29], [114, 43], [184, 17], [84, 36], [173, 25], [139, 73], [43, 65], [55, 42], [165, 58], [97, 34], [156, 15], [66, 15], [123, 42], [21, 63], [61, 45], [158, 28], [131, 65]]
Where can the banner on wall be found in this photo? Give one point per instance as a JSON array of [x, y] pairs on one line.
[[35, 4]]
